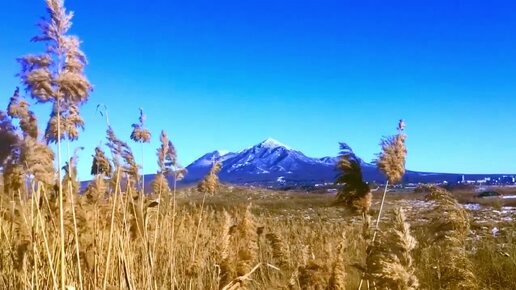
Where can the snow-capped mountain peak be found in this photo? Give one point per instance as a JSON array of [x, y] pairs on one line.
[[271, 163], [272, 143], [222, 152]]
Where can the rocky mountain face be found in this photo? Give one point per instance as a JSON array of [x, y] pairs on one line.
[[270, 163]]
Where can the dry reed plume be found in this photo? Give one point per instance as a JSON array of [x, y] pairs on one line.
[[167, 164], [239, 249], [449, 228], [101, 164], [57, 76], [142, 135], [8, 137], [389, 261], [391, 161], [353, 191], [210, 183]]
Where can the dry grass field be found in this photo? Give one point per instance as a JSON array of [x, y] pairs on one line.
[[238, 238]]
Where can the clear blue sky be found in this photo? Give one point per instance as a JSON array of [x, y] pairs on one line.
[[228, 74]]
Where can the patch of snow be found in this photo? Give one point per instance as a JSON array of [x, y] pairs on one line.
[[261, 171], [237, 165], [222, 152], [272, 143], [249, 157], [508, 196], [208, 159], [472, 206], [205, 162]]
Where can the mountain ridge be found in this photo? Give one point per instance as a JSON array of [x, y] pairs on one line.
[[271, 163]]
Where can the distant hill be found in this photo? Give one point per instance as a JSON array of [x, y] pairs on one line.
[[273, 164]]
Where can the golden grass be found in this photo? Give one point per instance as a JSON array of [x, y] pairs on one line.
[[297, 245]]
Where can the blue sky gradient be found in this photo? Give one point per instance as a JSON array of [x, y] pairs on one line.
[[228, 74]]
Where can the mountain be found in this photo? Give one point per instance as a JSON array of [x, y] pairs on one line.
[[269, 163], [273, 164]]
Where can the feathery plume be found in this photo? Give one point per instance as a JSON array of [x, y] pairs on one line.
[[389, 262], [248, 253], [223, 245], [140, 134], [210, 183], [160, 183], [239, 249], [167, 155], [101, 164], [56, 76], [70, 169], [96, 189], [120, 149], [38, 160], [58, 73], [14, 177], [448, 216], [19, 108], [449, 228], [353, 191], [391, 161], [167, 163], [70, 121], [8, 137]]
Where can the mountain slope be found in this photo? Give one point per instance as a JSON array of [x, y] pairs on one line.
[[271, 163]]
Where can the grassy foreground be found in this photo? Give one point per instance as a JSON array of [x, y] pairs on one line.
[[251, 238]]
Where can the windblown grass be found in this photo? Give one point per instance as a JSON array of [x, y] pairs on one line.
[[295, 244]]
